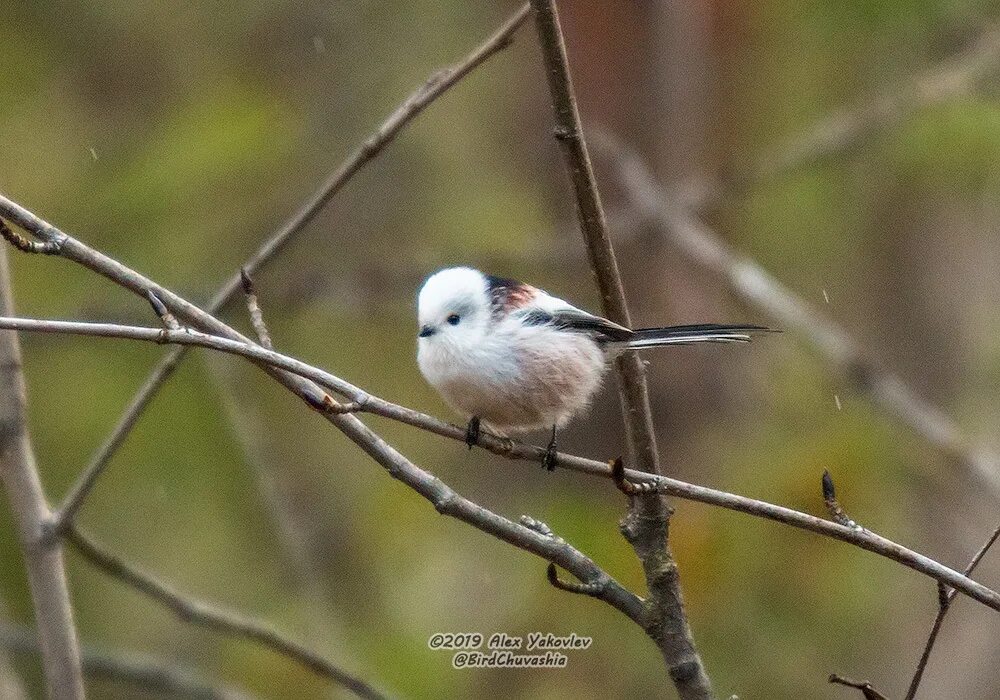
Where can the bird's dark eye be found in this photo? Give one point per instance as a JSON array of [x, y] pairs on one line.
[[453, 319]]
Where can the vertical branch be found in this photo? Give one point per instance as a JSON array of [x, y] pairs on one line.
[[594, 227], [646, 526], [43, 558]]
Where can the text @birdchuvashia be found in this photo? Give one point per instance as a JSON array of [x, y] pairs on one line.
[[502, 650]]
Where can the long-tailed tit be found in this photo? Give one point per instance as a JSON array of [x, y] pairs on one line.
[[513, 358]]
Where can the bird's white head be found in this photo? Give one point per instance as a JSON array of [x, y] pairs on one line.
[[453, 307]]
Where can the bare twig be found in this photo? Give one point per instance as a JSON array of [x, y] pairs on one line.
[[211, 617], [134, 669], [849, 127], [945, 598], [692, 237], [441, 496], [435, 86], [19, 474], [445, 499], [647, 525], [865, 687], [289, 500], [865, 539]]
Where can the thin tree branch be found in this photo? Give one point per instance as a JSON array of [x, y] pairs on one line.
[[449, 502], [695, 239], [212, 617], [866, 688], [945, 598], [290, 512], [137, 670], [289, 502], [19, 474], [643, 482], [847, 128], [441, 496], [646, 527], [435, 86]]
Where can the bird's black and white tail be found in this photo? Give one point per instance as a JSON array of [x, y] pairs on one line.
[[697, 333]]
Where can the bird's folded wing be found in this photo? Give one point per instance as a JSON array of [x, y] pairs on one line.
[[572, 319]]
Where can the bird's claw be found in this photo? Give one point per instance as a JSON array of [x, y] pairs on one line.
[[551, 457], [472, 432]]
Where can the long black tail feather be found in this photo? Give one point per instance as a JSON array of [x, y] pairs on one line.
[[694, 333]]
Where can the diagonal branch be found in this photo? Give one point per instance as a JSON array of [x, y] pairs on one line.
[[646, 526], [439, 494], [445, 499], [639, 482], [754, 285], [868, 691], [435, 86], [134, 669], [849, 127], [19, 473], [945, 598], [211, 617]]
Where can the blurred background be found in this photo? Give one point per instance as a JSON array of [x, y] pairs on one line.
[[177, 136]]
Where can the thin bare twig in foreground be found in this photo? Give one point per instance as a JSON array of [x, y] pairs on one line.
[[641, 482], [646, 526], [695, 239], [211, 617], [290, 510], [134, 669], [945, 598], [19, 473], [865, 687], [444, 499], [439, 83]]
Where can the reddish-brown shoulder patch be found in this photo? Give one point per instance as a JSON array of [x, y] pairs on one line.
[[507, 295]]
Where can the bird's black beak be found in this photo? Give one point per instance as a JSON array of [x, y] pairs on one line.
[[426, 332]]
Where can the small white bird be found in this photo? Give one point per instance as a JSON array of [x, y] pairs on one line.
[[513, 358]]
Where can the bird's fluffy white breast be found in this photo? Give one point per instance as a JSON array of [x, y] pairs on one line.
[[516, 377]]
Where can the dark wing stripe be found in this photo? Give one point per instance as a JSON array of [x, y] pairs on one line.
[[603, 328], [578, 322]]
